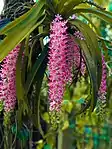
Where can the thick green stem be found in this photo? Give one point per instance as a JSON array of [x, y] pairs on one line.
[[60, 140]]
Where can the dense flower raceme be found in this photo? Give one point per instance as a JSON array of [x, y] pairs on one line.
[[63, 55], [101, 103], [103, 86], [7, 82]]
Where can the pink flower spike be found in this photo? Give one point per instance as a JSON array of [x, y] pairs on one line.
[[64, 55], [7, 84], [103, 86], [60, 72]]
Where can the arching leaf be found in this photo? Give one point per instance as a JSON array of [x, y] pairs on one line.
[[17, 30], [92, 43], [38, 81], [35, 69], [92, 57], [104, 15], [60, 5], [68, 6], [20, 92]]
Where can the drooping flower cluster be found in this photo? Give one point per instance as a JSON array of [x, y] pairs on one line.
[[63, 55], [59, 71], [103, 86], [74, 56], [101, 102], [7, 82]]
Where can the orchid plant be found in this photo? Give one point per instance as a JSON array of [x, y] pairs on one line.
[[72, 52]]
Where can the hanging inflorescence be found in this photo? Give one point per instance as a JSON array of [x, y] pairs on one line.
[[101, 104], [7, 82], [64, 54]]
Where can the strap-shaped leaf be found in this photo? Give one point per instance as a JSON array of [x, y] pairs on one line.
[[92, 72], [50, 5], [92, 43], [31, 14], [20, 92], [39, 78], [41, 30], [92, 57], [104, 15], [69, 5], [4, 22], [36, 38], [35, 68], [17, 30], [60, 5], [19, 86], [38, 81], [97, 30], [55, 2]]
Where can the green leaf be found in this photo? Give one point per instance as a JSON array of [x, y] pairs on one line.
[[20, 92], [92, 43], [69, 5], [19, 86], [35, 69], [92, 57], [60, 5], [92, 24], [92, 72], [97, 32], [50, 6], [55, 2], [41, 30], [105, 15], [36, 38], [38, 79], [38, 107], [21, 27], [45, 117]]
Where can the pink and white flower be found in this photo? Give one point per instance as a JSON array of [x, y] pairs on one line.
[[7, 82]]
